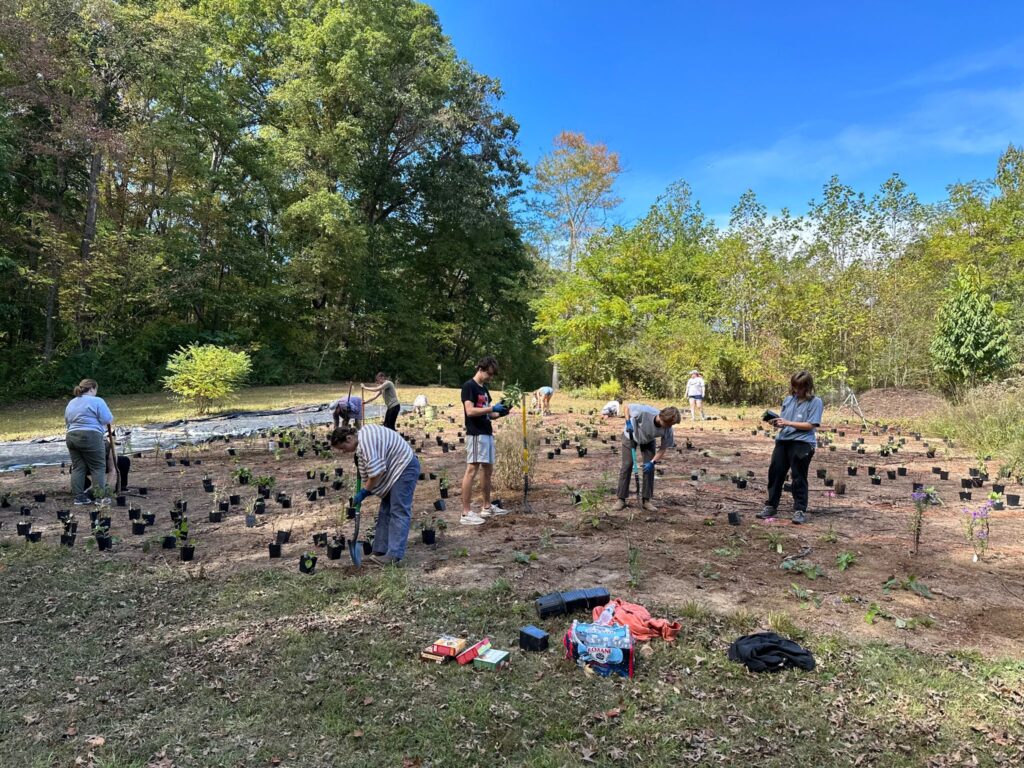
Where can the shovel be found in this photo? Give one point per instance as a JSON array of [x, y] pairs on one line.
[[355, 547]]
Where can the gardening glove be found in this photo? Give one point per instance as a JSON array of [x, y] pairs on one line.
[[649, 467], [629, 425], [499, 409], [361, 494]]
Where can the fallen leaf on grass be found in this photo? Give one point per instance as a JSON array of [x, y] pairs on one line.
[[587, 755], [368, 701], [411, 762], [95, 741], [357, 734], [71, 732]]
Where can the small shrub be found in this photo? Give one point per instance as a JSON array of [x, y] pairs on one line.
[[206, 374]]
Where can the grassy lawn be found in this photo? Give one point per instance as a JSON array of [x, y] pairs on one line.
[[116, 666], [46, 417]]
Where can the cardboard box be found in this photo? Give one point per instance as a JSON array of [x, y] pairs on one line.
[[473, 651], [492, 658], [434, 658], [446, 645]]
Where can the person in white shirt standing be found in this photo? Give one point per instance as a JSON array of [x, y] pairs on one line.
[[696, 389]]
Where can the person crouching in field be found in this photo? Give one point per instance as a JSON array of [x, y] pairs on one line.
[[611, 408], [542, 400], [794, 446], [645, 425], [346, 410], [389, 470]]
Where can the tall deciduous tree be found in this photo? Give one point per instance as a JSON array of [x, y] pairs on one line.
[[574, 189]]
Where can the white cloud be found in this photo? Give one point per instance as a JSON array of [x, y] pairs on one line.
[[959, 121]]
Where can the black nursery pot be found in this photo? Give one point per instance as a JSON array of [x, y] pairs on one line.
[[321, 491], [339, 471], [104, 543], [439, 505], [234, 499], [829, 482], [24, 528], [275, 549], [334, 550], [741, 483], [551, 454], [35, 536], [222, 506], [943, 475], [917, 486], [121, 501], [350, 512], [367, 548], [965, 495], [283, 536], [320, 539], [443, 492], [901, 471], [216, 516], [1013, 499], [851, 471], [821, 473], [26, 511], [891, 474], [966, 482], [39, 497], [734, 518], [136, 514], [286, 503], [138, 528], [170, 541], [67, 539], [311, 495], [188, 551], [998, 487], [876, 481], [143, 491], [429, 535], [337, 485], [149, 518]]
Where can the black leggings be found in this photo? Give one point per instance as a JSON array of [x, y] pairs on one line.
[[391, 416], [792, 456]]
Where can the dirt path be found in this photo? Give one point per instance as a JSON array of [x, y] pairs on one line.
[[686, 551]]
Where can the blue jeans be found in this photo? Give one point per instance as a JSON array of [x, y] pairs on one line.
[[395, 515]]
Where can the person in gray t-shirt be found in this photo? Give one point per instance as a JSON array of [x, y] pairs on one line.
[[794, 446], [644, 427]]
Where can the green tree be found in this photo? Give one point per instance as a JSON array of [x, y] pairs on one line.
[[972, 342], [206, 374]]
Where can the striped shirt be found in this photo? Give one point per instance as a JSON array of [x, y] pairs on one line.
[[382, 451]]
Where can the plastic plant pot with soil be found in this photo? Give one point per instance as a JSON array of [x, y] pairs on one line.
[[307, 562], [170, 541], [187, 551], [274, 548], [335, 549]]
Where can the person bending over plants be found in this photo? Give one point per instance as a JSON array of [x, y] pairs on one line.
[[794, 446], [87, 418], [542, 400], [346, 410], [645, 425], [386, 388], [389, 470], [476, 404]]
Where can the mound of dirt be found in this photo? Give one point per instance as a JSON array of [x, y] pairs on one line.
[[897, 404]]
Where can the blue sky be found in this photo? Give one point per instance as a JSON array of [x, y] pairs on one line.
[[773, 96]]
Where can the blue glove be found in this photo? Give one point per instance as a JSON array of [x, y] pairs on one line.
[[649, 467], [361, 494], [629, 425], [499, 409]]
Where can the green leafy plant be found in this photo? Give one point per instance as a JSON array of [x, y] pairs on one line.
[[910, 584], [774, 539], [844, 560], [265, 481], [635, 567], [807, 568], [242, 475], [206, 374], [512, 396]]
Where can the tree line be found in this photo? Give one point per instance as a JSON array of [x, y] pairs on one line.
[[325, 185], [863, 290], [332, 189]]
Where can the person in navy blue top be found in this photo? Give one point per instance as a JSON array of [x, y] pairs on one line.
[[794, 446]]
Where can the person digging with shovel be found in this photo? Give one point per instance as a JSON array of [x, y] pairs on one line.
[[644, 426], [389, 470]]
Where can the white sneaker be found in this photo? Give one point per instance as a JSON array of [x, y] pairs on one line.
[[494, 509], [485, 512], [471, 518]]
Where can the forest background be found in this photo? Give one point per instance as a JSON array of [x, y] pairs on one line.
[[331, 188]]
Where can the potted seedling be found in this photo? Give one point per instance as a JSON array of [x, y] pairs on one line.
[[997, 500], [243, 475], [442, 483], [901, 470], [250, 513], [207, 484], [307, 562], [876, 479], [5, 500], [188, 551], [104, 541], [851, 470], [149, 518]]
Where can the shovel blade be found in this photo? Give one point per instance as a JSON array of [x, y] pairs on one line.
[[355, 551]]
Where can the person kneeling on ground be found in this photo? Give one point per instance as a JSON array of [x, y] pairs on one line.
[[794, 446], [476, 403], [611, 408], [389, 470], [347, 409], [542, 400], [87, 417], [644, 425]]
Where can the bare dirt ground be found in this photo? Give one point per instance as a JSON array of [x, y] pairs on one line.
[[686, 551]]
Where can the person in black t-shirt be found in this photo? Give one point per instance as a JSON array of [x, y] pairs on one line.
[[476, 404]]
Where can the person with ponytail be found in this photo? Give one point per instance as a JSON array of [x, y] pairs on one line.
[[87, 418]]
